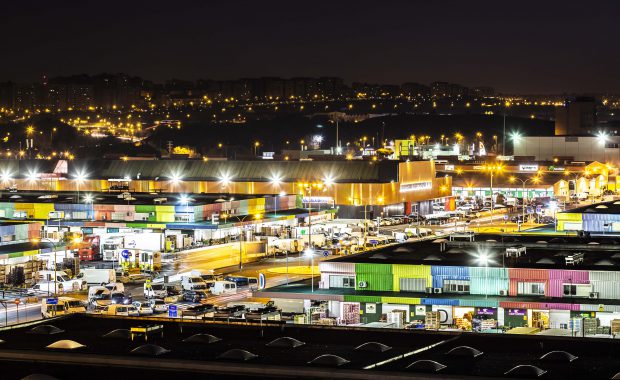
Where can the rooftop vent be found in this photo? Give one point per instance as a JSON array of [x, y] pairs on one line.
[[237, 355], [66, 345], [202, 339], [558, 356], [426, 366], [373, 347], [45, 330], [118, 334], [525, 371], [285, 342], [149, 350], [329, 360], [39, 376], [464, 351]]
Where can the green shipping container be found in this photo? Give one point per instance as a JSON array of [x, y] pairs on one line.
[[373, 281], [373, 268], [145, 208], [372, 299]]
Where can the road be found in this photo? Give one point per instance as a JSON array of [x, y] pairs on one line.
[[16, 314]]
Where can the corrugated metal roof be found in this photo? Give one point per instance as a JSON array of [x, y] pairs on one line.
[[241, 171]]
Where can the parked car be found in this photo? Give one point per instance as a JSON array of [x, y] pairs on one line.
[[124, 310], [122, 299], [144, 308], [195, 295], [158, 305]]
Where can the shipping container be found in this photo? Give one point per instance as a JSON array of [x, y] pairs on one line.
[[488, 281], [401, 300], [337, 267], [401, 271], [479, 303], [373, 268], [597, 275], [609, 290], [371, 299], [373, 282], [441, 273], [439, 301]]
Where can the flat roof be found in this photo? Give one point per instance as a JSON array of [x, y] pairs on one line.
[[344, 171], [543, 251], [501, 352], [612, 207], [70, 197]]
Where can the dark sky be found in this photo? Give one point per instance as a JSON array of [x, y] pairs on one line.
[[543, 46]]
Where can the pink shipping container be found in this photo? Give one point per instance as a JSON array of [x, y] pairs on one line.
[[520, 305], [559, 277], [108, 208], [517, 275], [124, 208]]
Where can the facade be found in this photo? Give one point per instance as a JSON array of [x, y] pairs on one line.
[[577, 117], [598, 218], [574, 148], [536, 289], [348, 183], [530, 179]]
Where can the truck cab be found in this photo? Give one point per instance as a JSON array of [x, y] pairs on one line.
[[111, 247], [89, 249]]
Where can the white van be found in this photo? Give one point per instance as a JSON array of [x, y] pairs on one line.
[[124, 310], [193, 283], [61, 277], [99, 296], [155, 291], [116, 287], [97, 276], [61, 306], [224, 287], [46, 287]]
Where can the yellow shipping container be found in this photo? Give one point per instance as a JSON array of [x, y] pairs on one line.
[[24, 206], [410, 271], [401, 300], [167, 217], [161, 208], [42, 210], [570, 217]]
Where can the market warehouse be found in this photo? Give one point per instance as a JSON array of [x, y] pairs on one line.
[[474, 285], [391, 187]]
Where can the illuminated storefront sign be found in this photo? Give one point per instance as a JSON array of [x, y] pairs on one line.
[[416, 186], [449, 167], [317, 200], [528, 168]]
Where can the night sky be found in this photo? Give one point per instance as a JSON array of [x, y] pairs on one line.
[[543, 46]]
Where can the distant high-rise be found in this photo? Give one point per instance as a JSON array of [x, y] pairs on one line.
[[577, 117]]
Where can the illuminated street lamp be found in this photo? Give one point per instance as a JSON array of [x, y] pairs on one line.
[[492, 170], [80, 177], [535, 180], [89, 199], [309, 252], [484, 258]]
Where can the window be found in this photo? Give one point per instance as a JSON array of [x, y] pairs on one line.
[[531, 288], [413, 284], [570, 290], [341, 281], [456, 286], [577, 290]]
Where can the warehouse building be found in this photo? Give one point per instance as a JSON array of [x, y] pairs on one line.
[[536, 282], [389, 187], [600, 218]]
